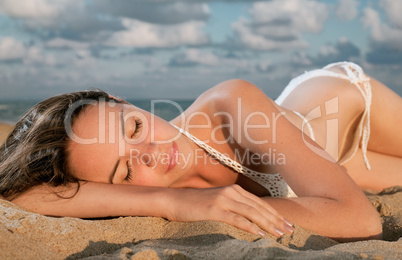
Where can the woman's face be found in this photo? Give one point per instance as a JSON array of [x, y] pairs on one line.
[[122, 144]]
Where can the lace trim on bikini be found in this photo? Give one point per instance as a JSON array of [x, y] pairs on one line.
[[274, 183]]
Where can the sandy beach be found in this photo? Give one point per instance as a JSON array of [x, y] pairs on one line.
[[26, 235], [4, 131]]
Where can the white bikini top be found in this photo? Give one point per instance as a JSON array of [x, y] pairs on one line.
[[274, 183]]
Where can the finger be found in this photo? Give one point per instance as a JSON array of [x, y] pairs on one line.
[[266, 210], [257, 200], [242, 223], [260, 216]]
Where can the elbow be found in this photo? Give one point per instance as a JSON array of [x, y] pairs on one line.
[[371, 226], [370, 222], [369, 229], [364, 223]]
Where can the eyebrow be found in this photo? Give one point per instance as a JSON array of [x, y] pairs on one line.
[[117, 163], [122, 121]]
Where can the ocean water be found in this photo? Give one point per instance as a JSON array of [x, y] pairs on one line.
[[12, 110]]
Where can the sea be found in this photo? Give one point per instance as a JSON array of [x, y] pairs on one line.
[[12, 110]]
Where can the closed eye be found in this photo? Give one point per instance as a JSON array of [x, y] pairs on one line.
[[129, 175], [138, 126]]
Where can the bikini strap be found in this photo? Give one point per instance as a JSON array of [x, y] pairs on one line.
[[356, 76], [274, 183]]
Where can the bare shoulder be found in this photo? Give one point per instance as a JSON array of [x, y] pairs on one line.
[[234, 88], [224, 99], [225, 94]]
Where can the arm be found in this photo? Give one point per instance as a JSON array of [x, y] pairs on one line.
[[93, 200], [230, 204], [329, 202]]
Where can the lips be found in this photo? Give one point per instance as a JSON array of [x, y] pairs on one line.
[[173, 155]]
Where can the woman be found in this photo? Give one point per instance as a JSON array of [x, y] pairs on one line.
[[243, 159]]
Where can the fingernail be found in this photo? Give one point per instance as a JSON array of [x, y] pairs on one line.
[[280, 232], [262, 233], [289, 229], [288, 222]]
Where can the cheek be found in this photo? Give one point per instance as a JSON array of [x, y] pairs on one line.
[[147, 177], [164, 132]]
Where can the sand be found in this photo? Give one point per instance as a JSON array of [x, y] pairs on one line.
[[26, 235], [4, 130]]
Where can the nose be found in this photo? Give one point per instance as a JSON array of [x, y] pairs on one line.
[[150, 154]]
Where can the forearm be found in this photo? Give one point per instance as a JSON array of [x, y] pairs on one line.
[[339, 220], [229, 204], [95, 200]]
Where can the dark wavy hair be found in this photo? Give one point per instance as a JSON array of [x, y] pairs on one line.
[[35, 152]]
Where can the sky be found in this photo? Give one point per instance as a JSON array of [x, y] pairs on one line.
[[175, 49]]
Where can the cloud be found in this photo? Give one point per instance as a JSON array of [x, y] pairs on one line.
[[343, 50], [167, 12], [264, 66], [388, 34], [300, 59], [10, 49], [30, 55], [393, 10], [77, 24], [279, 24], [383, 55], [34, 9], [141, 34], [61, 43], [347, 9], [191, 57], [385, 47], [91, 21], [77, 44], [70, 19]]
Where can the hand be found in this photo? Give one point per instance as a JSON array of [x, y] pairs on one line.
[[230, 204]]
